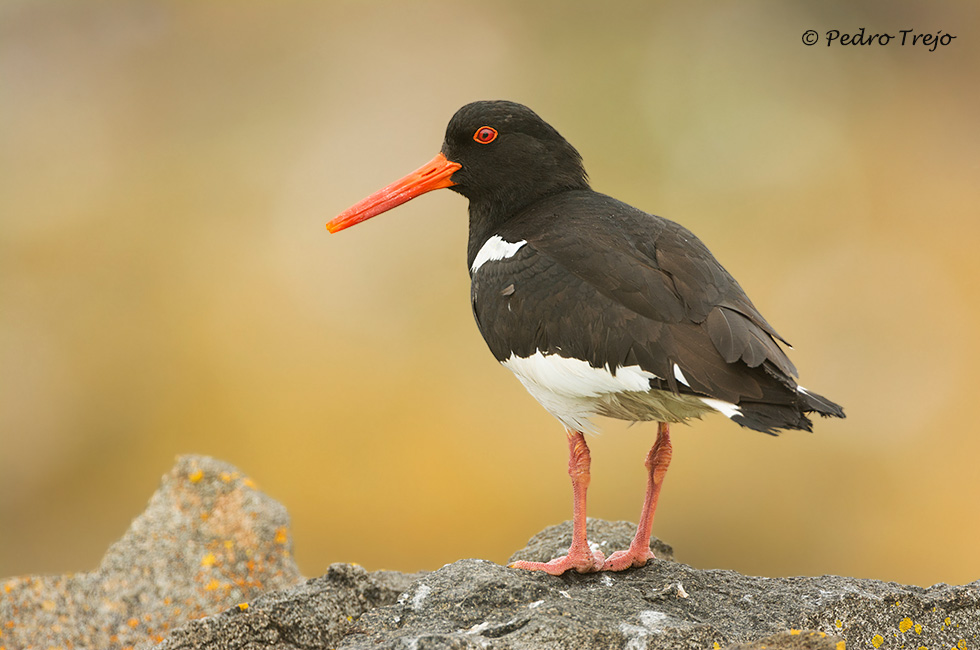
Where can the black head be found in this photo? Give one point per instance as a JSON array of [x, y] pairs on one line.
[[500, 155], [509, 156]]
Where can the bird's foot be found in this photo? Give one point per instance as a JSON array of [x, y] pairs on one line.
[[581, 561], [633, 557]]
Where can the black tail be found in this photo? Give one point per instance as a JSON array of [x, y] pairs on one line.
[[770, 418]]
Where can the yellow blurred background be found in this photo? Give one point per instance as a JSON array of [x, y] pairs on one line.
[[167, 285]]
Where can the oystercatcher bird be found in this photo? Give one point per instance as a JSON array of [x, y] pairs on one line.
[[599, 308]]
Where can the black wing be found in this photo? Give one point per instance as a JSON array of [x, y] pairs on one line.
[[601, 281]]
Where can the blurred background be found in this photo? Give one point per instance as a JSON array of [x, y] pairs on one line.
[[167, 285]]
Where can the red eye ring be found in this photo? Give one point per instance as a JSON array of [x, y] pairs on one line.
[[485, 134]]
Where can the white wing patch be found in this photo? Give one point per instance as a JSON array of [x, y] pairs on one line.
[[679, 376], [727, 409], [494, 249]]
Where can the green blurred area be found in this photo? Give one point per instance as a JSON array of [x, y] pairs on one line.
[[167, 285]]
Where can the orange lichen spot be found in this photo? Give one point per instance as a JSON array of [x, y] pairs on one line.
[[7, 587], [195, 476], [226, 477], [166, 600], [211, 586], [905, 625], [204, 516], [841, 645], [48, 606], [242, 607], [794, 631], [229, 544], [133, 622], [282, 535], [247, 482], [9, 625], [877, 640], [208, 560]]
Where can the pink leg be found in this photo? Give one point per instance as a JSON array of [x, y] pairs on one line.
[[639, 551], [579, 556]]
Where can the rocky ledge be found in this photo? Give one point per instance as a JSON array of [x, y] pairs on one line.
[[209, 566]]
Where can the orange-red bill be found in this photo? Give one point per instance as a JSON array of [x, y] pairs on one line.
[[433, 175]]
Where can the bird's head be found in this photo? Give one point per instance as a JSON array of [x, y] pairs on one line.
[[498, 154]]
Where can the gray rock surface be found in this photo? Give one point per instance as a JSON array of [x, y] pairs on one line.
[[473, 603], [207, 540], [478, 604], [211, 547], [315, 614]]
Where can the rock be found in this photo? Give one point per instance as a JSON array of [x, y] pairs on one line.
[[207, 540], [315, 614], [793, 640], [474, 603], [209, 543]]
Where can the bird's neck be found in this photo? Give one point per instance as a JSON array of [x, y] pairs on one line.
[[486, 219], [489, 214]]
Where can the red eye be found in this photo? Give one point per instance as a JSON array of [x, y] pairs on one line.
[[485, 134]]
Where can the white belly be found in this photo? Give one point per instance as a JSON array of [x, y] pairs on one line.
[[573, 391]]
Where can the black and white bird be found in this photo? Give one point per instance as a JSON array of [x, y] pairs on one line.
[[597, 307]]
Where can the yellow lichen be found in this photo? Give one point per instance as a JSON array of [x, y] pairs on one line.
[[211, 586], [282, 535], [839, 624], [794, 631], [715, 646], [208, 560], [226, 477], [961, 644], [877, 640], [196, 476], [905, 625], [918, 628], [242, 607], [841, 645]]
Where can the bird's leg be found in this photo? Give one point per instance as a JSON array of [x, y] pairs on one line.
[[639, 551], [579, 557]]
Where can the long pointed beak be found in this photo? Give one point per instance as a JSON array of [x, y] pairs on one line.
[[433, 175]]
